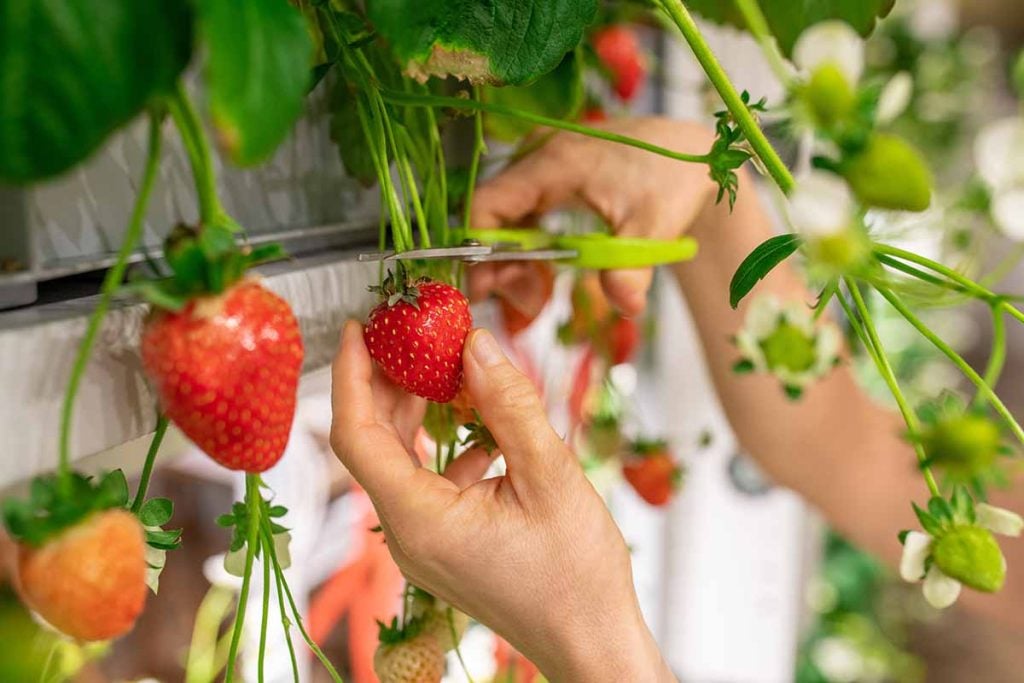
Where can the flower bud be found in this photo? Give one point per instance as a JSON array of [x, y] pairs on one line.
[[971, 555]]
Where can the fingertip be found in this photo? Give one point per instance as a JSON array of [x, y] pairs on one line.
[[627, 290]]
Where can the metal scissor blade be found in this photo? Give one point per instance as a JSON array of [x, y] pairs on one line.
[[499, 255], [464, 253]]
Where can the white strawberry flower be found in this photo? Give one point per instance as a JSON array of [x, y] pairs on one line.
[[895, 97], [999, 158], [832, 43], [820, 205], [918, 562], [783, 340]]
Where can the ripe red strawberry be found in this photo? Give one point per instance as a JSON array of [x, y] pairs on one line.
[[623, 339], [594, 114], [652, 472], [226, 369], [619, 50], [417, 334], [408, 655], [88, 581]]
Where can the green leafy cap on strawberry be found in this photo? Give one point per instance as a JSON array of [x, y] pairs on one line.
[[396, 632], [203, 262]]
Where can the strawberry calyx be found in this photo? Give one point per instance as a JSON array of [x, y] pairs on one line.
[[397, 632], [399, 288], [479, 436], [203, 262], [649, 448], [55, 504]]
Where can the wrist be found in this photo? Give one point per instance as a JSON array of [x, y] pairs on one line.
[[623, 651]]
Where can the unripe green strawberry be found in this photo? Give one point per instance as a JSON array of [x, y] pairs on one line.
[[964, 444], [971, 555], [889, 174], [405, 656], [829, 96]]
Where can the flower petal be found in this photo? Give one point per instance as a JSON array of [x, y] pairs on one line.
[[282, 548], [826, 346], [821, 205], [762, 317], [916, 548], [234, 562], [895, 97], [831, 42], [750, 349], [940, 590], [999, 520], [1008, 212], [999, 152]]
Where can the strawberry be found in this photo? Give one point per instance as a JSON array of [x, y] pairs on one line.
[[408, 654], [439, 619], [652, 472], [594, 114], [226, 368], [88, 580], [417, 334], [591, 311], [619, 50], [623, 339]]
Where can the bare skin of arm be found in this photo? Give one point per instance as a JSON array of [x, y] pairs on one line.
[[839, 449]]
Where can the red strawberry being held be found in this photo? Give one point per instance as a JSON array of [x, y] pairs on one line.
[[89, 581], [652, 472], [619, 50], [226, 368], [417, 334]]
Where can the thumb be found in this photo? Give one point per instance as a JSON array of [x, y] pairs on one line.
[[513, 412]]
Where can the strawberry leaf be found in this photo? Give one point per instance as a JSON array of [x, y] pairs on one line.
[[759, 263], [156, 512]]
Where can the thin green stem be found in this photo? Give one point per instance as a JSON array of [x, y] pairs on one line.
[[997, 358], [970, 286], [885, 368], [269, 544], [450, 619], [479, 147], [264, 617], [147, 466], [253, 502], [198, 149], [416, 100], [908, 269], [757, 24], [957, 360], [111, 282], [733, 102], [285, 622]]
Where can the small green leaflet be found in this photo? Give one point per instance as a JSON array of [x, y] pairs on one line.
[[787, 19], [501, 42], [759, 263], [258, 71], [73, 72]]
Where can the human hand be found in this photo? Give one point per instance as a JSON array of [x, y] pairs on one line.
[[637, 193], [533, 554]]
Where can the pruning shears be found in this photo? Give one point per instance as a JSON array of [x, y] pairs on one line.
[[597, 251]]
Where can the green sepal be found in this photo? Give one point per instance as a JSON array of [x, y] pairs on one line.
[[793, 393], [940, 509], [395, 632], [646, 448], [743, 367], [164, 540], [479, 436], [931, 525], [54, 505], [156, 512]]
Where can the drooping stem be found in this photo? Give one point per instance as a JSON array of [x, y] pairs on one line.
[[733, 102], [282, 583], [983, 388], [147, 466], [479, 147], [417, 100], [198, 150], [264, 617], [255, 513], [968, 285], [997, 357], [914, 272], [885, 369], [285, 622], [757, 24], [111, 282]]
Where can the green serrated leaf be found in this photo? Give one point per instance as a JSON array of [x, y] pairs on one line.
[[257, 73], [156, 512], [765, 257], [72, 73], [501, 43], [787, 19], [558, 94]]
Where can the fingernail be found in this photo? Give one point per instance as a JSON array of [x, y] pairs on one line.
[[485, 349]]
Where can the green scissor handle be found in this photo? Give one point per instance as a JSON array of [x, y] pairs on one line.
[[597, 251]]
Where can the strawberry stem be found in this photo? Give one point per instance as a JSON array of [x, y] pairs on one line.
[[479, 148], [147, 467], [268, 549], [253, 502], [186, 120], [264, 617], [111, 282]]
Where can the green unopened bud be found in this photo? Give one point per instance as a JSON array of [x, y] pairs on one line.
[[963, 445], [971, 555], [789, 347], [828, 95], [889, 174]]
